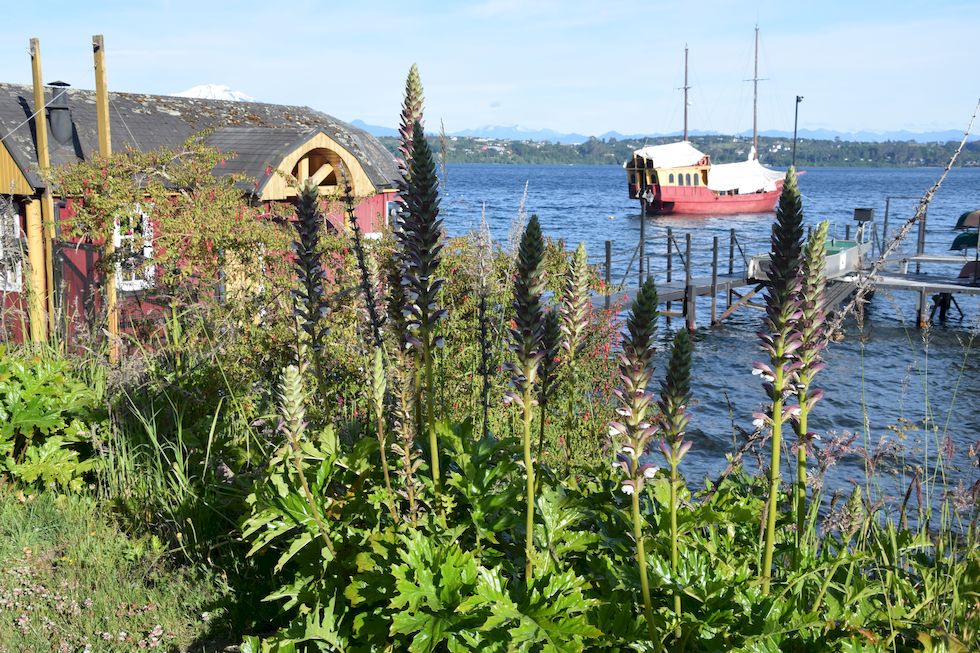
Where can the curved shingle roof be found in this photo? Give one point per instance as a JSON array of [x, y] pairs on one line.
[[148, 122]]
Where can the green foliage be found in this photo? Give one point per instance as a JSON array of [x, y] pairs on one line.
[[48, 422], [775, 151], [73, 581]]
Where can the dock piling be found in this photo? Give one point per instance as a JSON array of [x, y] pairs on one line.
[[884, 227], [670, 264], [690, 299], [714, 280], [731, 263]]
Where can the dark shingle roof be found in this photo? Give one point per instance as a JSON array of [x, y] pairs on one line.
[[148, 122]]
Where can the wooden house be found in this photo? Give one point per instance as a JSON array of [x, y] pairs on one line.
[[269, 141]]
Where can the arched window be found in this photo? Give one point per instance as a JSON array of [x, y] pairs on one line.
[[697, 178], [689, 179], [670, 179], [680, 178]]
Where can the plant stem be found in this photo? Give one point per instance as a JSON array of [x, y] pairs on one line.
[[673, 539], [529, 466], [384, 465], [641, 563], [298, 464], [800, 483], [777, 443], [431, 420]]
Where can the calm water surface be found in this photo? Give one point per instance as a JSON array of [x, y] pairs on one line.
[[893, 371]]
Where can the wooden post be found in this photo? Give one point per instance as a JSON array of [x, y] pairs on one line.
[[608, 272], [714, 280], [45, 290], [670, 264], [920, 247], [731, 264], [35, 259], [884, 227], [105, 150], [690, 301]]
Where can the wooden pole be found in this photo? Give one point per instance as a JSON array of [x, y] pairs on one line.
[[105, 150], [884, 227], [670, 264], [35, 259], [731, 264], [714, 280], [45, 290], [608, 272], [690, 300], [920, 246]]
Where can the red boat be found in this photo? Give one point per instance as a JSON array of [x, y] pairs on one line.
[[677, 178]]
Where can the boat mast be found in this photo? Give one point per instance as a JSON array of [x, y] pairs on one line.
[[686, 87], [755, 98]]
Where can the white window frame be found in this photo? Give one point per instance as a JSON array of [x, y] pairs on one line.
[[11, 276], [130, 280]]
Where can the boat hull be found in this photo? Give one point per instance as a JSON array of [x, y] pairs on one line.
[[701, 201]]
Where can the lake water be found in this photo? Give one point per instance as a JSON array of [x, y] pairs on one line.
[[886, 371]]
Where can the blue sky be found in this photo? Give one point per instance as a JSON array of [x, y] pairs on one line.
[[586, 67]]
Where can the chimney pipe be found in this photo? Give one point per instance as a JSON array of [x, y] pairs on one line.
[[59, 115]]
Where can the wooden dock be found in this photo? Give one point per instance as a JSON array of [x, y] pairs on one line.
[[680, 288]]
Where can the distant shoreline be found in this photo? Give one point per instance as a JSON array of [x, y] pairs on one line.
[[776, 152]]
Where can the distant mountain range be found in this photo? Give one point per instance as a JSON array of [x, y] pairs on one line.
[[517, 133]]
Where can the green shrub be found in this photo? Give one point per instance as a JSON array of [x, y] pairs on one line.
[[48, 421]]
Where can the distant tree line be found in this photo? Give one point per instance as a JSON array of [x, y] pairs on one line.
[[723, 149]]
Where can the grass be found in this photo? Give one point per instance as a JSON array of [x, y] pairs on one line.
[[72, 581]]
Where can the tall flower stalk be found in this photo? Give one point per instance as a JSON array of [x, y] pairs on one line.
[[635, 432], [411, 114], [367, 284], [420, 243], [310, 301], [377, 378], [575, 306], [548, 374], [526, 339], [293, 425], [781, 341], [813, 339], [675, 393], [484, 260]]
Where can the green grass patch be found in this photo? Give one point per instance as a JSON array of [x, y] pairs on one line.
[[72, 581]]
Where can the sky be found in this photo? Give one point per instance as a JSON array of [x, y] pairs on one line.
[[583, 67]]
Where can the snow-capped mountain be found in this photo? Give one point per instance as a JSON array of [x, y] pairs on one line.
[[215, 92]]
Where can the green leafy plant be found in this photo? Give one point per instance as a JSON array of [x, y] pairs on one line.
[[48, 418]]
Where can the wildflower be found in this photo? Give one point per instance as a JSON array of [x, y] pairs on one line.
[[635, 372], [781, 339]]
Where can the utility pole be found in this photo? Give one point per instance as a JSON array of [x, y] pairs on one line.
[[45, 291], [105, 150], [796, 119]]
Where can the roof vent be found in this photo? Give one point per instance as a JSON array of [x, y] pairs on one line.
[[59, 114]]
